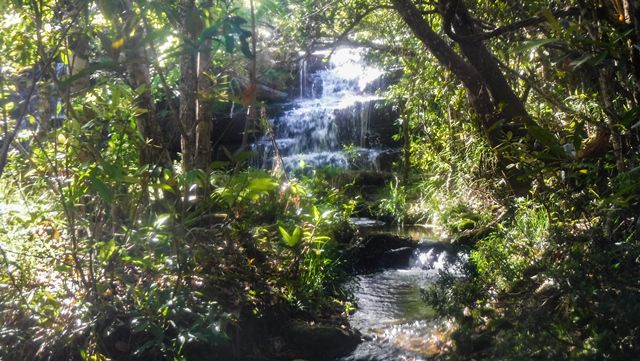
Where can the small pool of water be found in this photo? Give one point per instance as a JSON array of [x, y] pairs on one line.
[[393, 317]]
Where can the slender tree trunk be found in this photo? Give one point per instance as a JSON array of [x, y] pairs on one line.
[[205, 115], [605, 82], [44, 109], [188, 85], [79, 45], [153, 150]]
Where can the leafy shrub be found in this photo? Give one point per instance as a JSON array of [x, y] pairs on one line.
[[504, 255]]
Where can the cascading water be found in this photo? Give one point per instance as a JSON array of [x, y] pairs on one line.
[[329, 123]]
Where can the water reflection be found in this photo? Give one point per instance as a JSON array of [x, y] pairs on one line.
[[393, 317]]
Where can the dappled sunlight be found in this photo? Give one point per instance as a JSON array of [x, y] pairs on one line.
[[319, 180]]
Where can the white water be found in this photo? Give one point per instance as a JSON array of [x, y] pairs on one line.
[[333, 112], [392, 315]]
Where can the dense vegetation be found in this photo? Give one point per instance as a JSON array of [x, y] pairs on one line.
[[127, 233]]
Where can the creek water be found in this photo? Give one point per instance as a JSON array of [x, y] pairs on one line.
[[329, 124], [330, 121], [397, 324]]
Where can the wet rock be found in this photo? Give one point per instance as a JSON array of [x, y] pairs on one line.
[[304, 79], [383, 82], [264, 92], [370, 124], [397, 258], [319, 342], [376, 251]]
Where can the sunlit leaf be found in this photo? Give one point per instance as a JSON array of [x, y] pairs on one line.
[[107, 250], [117, 44], [291, 239]]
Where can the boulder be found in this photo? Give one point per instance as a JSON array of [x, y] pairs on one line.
[[264, 92], [319, 342], [398, 258], [306, 84], [373, 252], [370, 124]]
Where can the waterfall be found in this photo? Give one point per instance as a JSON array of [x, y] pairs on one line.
[[303, 75], [332, 112]]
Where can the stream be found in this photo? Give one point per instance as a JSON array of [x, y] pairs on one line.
[[331, 124], [395, 321]]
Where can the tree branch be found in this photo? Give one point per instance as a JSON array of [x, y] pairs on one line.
[[574, 11], [358, 19], [36, 76]]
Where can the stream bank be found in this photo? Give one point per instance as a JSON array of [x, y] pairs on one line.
[[340, 122], [390, 266]]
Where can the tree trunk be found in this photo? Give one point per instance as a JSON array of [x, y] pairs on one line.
[[504, 98], [490, 121], [188, 85], [153, 150], [44, 109], [205, 115]]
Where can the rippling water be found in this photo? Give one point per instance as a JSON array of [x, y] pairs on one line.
[[396, 322]]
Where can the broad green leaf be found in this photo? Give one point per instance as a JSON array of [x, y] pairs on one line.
[[291, 239], [162, 220], [112, 170], [296, 236], [285, 235], [101, 188], [166, 187], [107, 250], [260, 185]]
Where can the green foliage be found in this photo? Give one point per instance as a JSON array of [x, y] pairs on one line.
[[104, 257], [123, 265], [461, 217], [292, 239], [393, 203], [502, 257]]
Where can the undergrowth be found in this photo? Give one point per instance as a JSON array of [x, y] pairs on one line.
[[90, 271]]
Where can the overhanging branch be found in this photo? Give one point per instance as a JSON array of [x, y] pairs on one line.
[[533, 21], [358, 19]]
